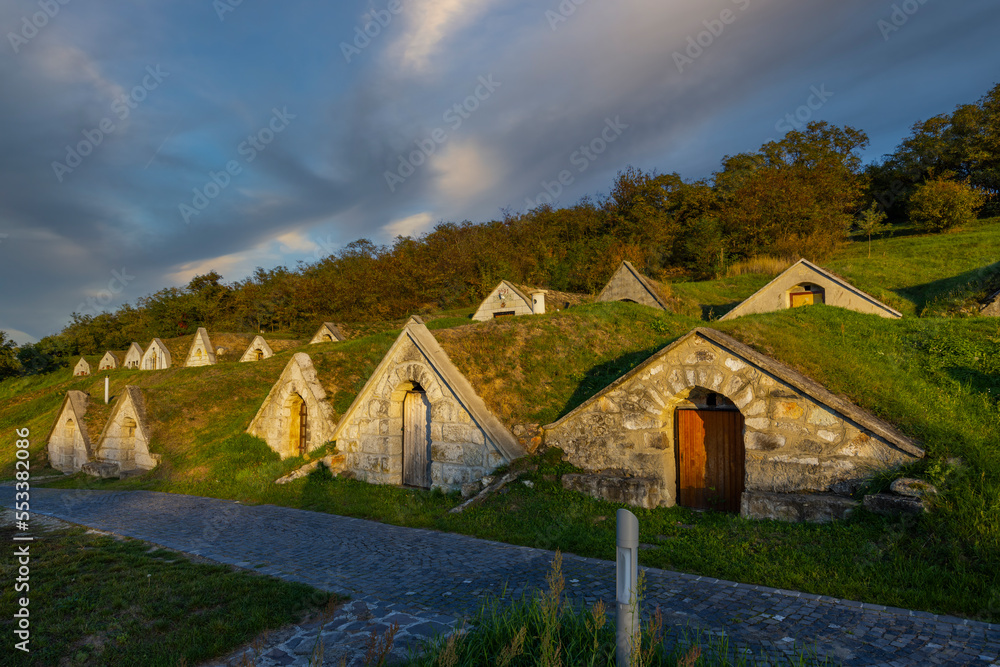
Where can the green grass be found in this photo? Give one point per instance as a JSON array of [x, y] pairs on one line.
[[936, 378], [100, 601]]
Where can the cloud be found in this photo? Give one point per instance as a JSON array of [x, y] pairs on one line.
[[413, 225], [464, 172], [430, 25]]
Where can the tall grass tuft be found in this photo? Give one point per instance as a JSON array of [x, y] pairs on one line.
[[761, 264]]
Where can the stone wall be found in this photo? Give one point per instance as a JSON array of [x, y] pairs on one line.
[[69, 445], [505, 298], [371, 433], [836, 292], [798, 437], [125, 438], [274, 421], [201, 353], [627, 285]]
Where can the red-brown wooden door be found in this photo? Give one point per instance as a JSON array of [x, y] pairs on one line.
[[710, 459], [416, 439]]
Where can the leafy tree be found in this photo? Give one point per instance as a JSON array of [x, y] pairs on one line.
[[9, 365], [35, 360], [872, 221], [942, 205]]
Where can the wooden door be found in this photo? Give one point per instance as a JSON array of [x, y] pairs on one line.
[[710, 467], [802, 299], [416, 439], [303, 422]]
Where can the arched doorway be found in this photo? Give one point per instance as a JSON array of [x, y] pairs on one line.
[[298, 423], [710, 455], [805, 294], [260, 354], [416, 437], [66, 452], [327, 338]]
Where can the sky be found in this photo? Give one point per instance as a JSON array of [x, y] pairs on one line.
[[143, 143]]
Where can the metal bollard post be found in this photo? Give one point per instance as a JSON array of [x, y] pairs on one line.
[[628, 572], [107, 397]]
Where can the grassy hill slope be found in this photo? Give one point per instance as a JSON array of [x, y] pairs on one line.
[[937, 379]]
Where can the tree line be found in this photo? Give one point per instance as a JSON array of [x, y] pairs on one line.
[[801, 196]]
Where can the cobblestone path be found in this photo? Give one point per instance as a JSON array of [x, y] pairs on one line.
[[447, 575]]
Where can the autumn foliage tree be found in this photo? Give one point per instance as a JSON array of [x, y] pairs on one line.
[[942, 205]]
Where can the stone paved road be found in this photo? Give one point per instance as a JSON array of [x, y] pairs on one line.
[[448, 574]]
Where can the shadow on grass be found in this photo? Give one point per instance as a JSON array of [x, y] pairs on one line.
[[974, 285], [600, 376], [711, 312], [986, 384]]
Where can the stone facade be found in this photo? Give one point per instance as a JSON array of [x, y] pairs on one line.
[[156, 357], [798, 437], [279, 419], [82, 367], [201, 353], [819, 286], [992, 306], [466, 440], [124, 441], [69, 443], [109, 362], [133, 358], [629, 285], [258, 349], [328, 333], [506, 299]]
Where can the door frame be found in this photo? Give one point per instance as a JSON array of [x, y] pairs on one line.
[[740, 444]]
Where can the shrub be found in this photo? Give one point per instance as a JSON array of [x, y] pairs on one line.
[[762, 264], [941, 205]]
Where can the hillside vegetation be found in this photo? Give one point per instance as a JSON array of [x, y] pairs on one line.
[[937, 379]]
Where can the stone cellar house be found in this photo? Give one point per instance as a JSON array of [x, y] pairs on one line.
[[156, 357], [82, 367], [109, 362], [201, 352], [418, 421], [258, 350], [296, 417], [133, 357], [328, 333], [627, 284], [804, 284], [710, 423], [68, 442], [510, 300], [123, 446]]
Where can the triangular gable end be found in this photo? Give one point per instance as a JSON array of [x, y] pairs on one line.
[[133, 358], [627, 284], [68, 441], [259, 349], [821, 287], [791, 434], [327, 333], [82, 367], [109, 361], [201, 352], [466, 441], [297, 399], [506, 299], [156, 357], [124, 440]]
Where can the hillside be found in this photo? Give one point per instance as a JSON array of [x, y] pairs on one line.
[[937, 379]]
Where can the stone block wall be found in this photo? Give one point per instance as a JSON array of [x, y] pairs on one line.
[[371, 436], [503, 299], [793, 443]]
